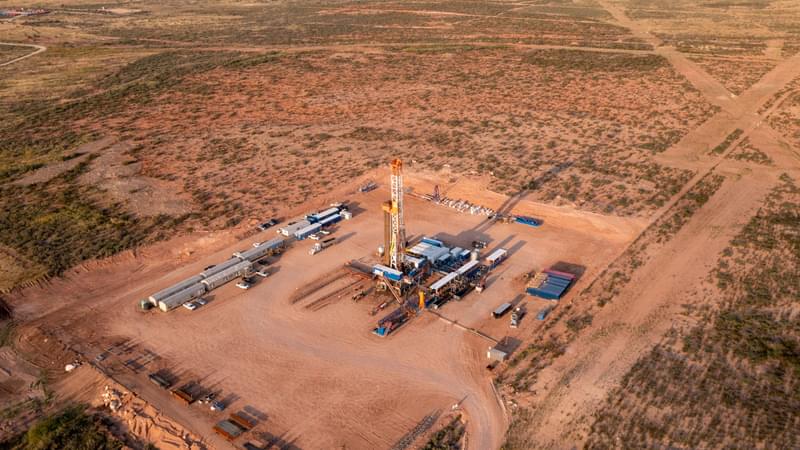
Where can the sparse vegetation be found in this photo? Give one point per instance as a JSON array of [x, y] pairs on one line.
[[70, 429], [448, 438], [58, 224], [730, 139], [734, 378], [746, 151], [617, 275]]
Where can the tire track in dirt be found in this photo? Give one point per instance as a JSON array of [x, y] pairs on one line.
[[642, 313], [737, 112], [39, 49], [650, 304]]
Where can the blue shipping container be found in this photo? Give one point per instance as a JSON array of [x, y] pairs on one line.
[[433, 242], [543, 294]]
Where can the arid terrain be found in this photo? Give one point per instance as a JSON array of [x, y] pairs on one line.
[[659, 143]]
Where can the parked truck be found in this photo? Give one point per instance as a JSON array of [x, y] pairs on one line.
[[516, 316], [319, 246]]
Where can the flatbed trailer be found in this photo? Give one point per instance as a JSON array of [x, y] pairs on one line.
[[182, 393], [228, 430]]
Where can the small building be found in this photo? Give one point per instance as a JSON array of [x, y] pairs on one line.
[[495, 354], [496, 257]]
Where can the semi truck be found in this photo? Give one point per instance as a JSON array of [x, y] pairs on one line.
[[319, 246]]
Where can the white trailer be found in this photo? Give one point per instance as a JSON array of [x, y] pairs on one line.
[[259, 251], [291, 229], [164, 293], [496, 257], [217, 280], [221, 267], [179, 298]]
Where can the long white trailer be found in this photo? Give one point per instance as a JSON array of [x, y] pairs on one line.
[[179, 298], [164, 293]]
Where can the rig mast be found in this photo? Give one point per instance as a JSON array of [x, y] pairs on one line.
[[394, 226]]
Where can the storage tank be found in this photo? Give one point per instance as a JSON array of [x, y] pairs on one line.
[[223, 277], [182, 297], [164, 293]]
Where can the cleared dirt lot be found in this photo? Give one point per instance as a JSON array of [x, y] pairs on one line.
[[322, 379]]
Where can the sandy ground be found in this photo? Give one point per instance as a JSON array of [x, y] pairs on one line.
[[320, 378]]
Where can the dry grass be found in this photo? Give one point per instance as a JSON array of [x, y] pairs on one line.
[[733, 380]]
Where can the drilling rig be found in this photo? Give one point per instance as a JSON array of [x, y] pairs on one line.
[[394, 227], [394, 235]]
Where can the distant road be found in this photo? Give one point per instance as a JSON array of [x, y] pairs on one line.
[[39, 49]]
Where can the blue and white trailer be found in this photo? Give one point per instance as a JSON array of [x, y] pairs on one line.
[[387, 272], [318, 217], [330, 220], [307, 231]]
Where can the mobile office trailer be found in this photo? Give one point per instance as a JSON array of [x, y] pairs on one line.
[[291, 229], [264, 248], [179, 298], [174, 289], [217, 280], [221, 267], [330, 220], [496, 257], [501, 310], [307, 231], [318, 217]]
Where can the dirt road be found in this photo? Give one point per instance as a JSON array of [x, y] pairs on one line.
[[650, 304], [38, 49]]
